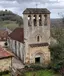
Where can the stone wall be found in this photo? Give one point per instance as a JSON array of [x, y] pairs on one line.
[[5, 64], [43, 51]]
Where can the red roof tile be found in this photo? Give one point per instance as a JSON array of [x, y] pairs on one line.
[[17, 34], [4, 53]]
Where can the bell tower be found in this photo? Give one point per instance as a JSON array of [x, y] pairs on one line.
[[36, 19], [36, 30]]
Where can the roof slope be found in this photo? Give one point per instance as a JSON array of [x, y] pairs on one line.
[[36, 11], [18, 35], [4, 53]]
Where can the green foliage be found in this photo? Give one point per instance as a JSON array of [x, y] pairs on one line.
[[58, 34], [9, 24], [57, 51], [8, 15], [10, 20], [4, 73], [36, 67], [57, 57], [42, 73], [26, 67]]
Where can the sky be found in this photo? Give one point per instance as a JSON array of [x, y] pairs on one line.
[[56, 7]]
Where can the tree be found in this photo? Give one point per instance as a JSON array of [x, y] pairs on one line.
[[57, 51]]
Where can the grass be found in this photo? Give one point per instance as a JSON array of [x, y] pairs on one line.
[[42, 73], [6, 74], [9, 24]]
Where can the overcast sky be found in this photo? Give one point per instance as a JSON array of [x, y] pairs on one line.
[[18, 6]]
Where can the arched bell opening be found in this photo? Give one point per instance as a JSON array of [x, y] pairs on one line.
[[29, 20], [35, 20], [40, 20]]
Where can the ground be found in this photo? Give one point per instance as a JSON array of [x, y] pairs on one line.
[[42, 73]]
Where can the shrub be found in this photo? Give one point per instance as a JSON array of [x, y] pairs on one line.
[[62, 71], [56, 66], [4, 72], [36, 67], [26, 67]]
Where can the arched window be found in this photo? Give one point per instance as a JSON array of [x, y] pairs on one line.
[[45, 19], [29, 20], [34, 20], [40, 20], [38, 38]]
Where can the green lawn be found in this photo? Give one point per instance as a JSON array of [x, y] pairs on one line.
[[6, 75], [9, 24], [42, 73]]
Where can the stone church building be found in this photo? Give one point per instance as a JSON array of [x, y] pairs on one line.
[[31, 43]]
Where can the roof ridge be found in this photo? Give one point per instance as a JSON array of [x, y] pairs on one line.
[[36, 11]]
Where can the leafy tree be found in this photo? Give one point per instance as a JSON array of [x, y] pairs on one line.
[[57, 51]]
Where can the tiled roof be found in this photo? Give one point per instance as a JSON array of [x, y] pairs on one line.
[[18, 35], [4, 53], [36, 11], [39, 44]]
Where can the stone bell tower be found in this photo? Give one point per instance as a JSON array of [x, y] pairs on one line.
[[36, 35]]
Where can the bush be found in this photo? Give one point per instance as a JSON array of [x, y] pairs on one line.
[[36, 67], [56, 66], [26, 67], [62, 71], [4, 72]]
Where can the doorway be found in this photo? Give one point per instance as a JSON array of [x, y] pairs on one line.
[[37, 60]]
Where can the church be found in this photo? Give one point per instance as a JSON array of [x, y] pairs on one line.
[[31, 43]]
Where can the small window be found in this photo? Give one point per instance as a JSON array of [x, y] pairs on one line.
[[38, 38]]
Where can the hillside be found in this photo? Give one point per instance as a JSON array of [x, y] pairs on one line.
[[10, 20], [58, 22]]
